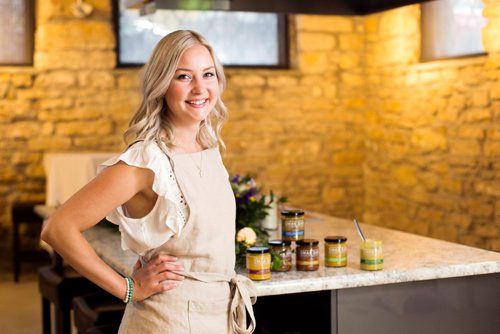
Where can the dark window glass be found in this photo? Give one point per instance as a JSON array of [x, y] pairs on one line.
[[452, 28], [16, 32], [254, 39]]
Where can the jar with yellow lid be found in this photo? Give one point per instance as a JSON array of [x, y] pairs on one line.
[[371, 255], [258, 263], [292, 225], [281, 255], [307, 254], [335, 251]]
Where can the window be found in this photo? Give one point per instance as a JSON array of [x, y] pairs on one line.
[[16, 32], [255, 39], [451, 28]]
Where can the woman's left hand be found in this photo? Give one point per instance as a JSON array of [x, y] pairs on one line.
[[156, 276]]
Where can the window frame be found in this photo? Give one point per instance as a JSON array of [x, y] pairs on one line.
[[439, 58], [283, 44], [29, 38]]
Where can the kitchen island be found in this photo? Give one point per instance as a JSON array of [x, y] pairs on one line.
[[426, 286]]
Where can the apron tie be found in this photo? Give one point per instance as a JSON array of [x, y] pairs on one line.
[[244, 296]]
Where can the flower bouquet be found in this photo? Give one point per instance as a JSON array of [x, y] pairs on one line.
[[251, 208]]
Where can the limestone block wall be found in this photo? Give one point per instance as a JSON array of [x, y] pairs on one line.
[[72, 99], [432, 134], [356, 127], [298, 131]]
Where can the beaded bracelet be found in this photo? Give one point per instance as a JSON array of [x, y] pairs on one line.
[[130, 290]]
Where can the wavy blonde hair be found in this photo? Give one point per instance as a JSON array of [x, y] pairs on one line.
[[150, 121]]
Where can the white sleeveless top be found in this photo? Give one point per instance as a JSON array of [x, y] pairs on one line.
[[170, 212]]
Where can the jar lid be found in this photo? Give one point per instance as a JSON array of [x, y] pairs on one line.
[[292, 213], [258, 250], [336, 238], [279, 243], [307, 242]]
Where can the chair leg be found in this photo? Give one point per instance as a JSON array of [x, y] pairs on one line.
[[45, 316], [63, 321], [15, 252]]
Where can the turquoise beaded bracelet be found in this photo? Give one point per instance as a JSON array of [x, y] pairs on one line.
[[130, 290]]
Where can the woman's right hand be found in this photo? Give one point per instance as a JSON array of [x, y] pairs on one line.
[[156, 276]]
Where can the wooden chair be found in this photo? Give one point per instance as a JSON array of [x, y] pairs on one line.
[[23, 214], [97, 310], [104, 329], [58, 285]]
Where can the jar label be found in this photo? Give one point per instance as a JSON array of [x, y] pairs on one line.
[[259, 272], [293, 224], [377, 261], [311, 253], [307, 263], [293, 233], [336, 259]]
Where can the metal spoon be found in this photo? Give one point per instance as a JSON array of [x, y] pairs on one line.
[[359, 229]]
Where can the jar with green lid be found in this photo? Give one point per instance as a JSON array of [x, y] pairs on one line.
[[292, 225], [371, 255], [307, 254], [258, 263], [281, 255], [335, 251]]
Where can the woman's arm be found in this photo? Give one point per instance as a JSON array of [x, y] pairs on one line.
[[116, 185]]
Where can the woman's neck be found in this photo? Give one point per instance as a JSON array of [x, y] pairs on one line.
[[185, 141]]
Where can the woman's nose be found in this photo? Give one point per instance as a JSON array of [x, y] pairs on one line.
[[198, 86]]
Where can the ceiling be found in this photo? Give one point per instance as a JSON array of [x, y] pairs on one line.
[[326, 7]]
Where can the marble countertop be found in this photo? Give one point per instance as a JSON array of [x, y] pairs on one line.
[[407, 257]]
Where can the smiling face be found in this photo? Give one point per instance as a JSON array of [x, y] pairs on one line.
[[194, 89]]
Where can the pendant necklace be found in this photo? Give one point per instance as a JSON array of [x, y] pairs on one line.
[[200, 167]]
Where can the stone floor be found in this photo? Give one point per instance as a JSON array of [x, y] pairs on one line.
[[20, 305]]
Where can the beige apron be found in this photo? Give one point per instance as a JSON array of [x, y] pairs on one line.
[[211, 299]]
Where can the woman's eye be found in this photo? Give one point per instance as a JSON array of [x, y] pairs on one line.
[[209, 74], [183, 77]]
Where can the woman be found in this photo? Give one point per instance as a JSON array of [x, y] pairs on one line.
[[170, 194]]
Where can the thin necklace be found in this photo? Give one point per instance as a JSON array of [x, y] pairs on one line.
[[200, 167]]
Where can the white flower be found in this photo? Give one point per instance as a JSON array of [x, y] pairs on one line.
[[246, 235]]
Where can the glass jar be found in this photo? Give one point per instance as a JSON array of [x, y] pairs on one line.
[[371, 255], [307, 254], [292, 225], [281, 251], [258, 263], [335, 251]]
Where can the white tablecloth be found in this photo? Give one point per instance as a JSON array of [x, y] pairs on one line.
[[66, 173]]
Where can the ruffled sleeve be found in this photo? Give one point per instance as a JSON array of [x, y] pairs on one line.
[[169, 214]]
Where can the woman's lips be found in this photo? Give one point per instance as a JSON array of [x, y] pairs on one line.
[[197, 103]]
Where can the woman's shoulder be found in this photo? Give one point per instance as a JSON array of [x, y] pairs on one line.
[[140, 154], [144, 146]]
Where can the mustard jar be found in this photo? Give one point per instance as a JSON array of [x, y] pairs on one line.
[[281, 254], [258, 263], [292, 225], [335, 251], [371, 255], [307, 254]]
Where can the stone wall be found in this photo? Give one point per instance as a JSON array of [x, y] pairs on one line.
[[355, 128], [299, 131], [432, 134], [72, 99], [293, 130]]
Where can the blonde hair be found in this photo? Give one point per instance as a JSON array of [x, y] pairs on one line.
[[150, 121]]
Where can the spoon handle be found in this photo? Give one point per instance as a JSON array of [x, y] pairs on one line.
[[359, 229]]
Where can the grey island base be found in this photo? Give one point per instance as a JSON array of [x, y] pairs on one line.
[[426, 286]]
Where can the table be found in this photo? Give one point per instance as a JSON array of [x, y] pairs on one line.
[[67, 172], [426, 286]]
